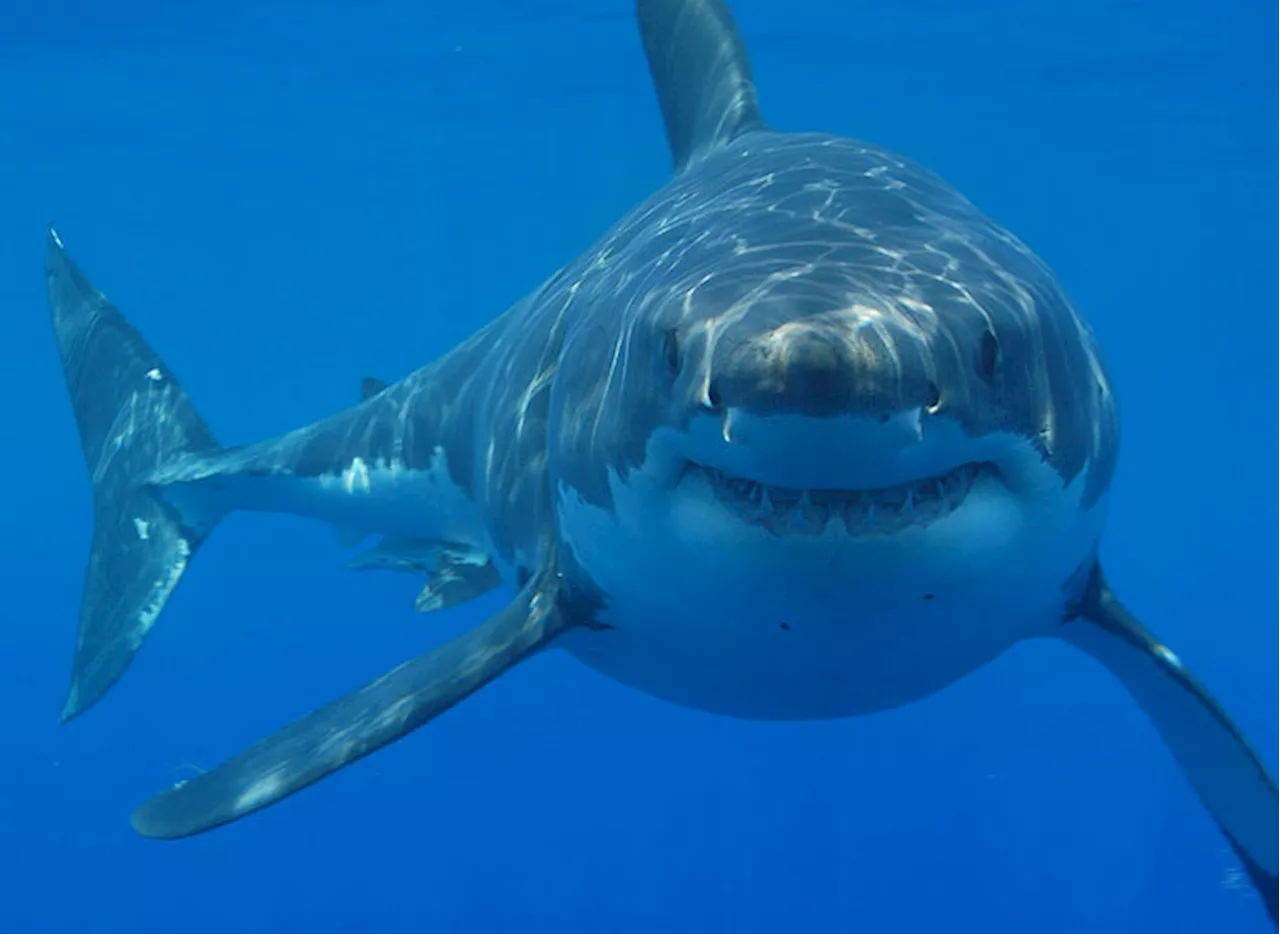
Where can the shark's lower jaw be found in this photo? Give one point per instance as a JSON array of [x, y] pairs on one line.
[[859, 512]]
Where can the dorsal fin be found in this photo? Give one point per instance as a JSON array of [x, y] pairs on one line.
[[700, 72]]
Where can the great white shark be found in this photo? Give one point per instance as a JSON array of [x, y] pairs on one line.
[[804, 435]]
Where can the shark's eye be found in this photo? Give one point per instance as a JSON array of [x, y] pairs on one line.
[[989, 355], [671, 351]]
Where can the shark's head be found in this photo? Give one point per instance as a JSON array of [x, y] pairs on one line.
[[822, 436], [807, 348]]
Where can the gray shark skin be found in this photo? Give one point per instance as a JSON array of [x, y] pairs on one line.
[[804, 435]]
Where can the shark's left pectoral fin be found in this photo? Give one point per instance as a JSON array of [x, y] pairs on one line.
[[1231, 780], [363, 721]]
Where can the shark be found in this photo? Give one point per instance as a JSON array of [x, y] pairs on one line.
[[804, 435]]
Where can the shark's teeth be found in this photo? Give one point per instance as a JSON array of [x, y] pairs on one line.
[[784, 510]]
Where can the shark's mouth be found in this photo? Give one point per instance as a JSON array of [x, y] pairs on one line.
[[880, 511]]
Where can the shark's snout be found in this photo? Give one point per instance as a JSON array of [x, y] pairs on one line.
[[822, 370]]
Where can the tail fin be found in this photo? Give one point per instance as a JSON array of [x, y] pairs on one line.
[[133, 416]]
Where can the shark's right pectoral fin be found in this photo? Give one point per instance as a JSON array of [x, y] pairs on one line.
[[363, 721], [1232, 782]]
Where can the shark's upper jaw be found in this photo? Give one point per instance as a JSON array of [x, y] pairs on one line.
[[845, 476], [816, 511]]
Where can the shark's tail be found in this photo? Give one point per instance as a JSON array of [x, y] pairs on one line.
[[133, 417]]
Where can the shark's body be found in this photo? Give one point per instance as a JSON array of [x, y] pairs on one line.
[[805, 435]]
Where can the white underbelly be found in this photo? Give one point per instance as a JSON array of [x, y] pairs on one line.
[[818, 652], [747, 624]]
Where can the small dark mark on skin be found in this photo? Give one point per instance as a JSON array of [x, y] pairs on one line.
[[928, 596], [786, 626]]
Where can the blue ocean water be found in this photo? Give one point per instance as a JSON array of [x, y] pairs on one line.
[[286, 197]]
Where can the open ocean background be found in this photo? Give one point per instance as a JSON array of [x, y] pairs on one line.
[[285, 197]]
